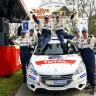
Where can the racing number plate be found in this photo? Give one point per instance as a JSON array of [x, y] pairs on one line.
[[56, 82]]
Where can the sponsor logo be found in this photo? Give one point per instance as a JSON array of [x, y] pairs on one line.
[[55, 62], [56, 82], [32, 77], [25, 25], [18, 62], [55, 57], [83, 75]]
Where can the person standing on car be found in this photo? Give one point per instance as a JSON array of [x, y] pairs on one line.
[[45, 27], [24, 44], [89, 57], [61, 34]]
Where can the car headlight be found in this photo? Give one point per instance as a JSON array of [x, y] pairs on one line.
[[31, 69], [80, 68]]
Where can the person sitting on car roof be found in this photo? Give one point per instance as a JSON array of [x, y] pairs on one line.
[[45, 28], [61, 34]]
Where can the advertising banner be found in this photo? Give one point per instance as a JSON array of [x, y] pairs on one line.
[[9, 60], [25, 25], [82, 22], [55, 8]]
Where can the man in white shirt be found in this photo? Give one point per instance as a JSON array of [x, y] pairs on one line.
[[60, 31], [45, 28], [24, 43], [33, 38], [89, 57]]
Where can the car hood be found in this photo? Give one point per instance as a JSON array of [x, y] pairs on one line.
[[55, 64]]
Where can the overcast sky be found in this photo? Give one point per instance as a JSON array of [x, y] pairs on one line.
[[32, 3], [35, 3]]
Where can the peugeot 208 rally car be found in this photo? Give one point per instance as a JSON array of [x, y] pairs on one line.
[[55, 69]]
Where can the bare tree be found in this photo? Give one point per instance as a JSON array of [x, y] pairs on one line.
[[86, 8]]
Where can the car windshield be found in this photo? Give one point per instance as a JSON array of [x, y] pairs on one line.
[[56, 49]]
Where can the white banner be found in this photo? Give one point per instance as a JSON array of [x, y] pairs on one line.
[[82, 22], [55, 8]]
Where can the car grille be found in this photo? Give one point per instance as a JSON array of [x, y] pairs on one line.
[[56, 78]]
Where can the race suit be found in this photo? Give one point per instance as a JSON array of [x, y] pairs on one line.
[[61, 34], [89, 58], [78, 43], [33, 40], [45, 36], [24, 51]]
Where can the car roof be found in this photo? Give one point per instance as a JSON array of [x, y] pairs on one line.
[[55, 40]]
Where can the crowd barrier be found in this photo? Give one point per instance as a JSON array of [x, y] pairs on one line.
[[9, 60]]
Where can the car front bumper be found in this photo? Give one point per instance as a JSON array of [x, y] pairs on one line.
[[37, 82]]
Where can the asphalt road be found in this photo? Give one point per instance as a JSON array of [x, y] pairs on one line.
[[24, 91]]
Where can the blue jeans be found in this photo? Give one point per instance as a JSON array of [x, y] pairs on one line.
[[61, 34], [44, 38]]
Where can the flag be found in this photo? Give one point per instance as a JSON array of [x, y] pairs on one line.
[[25, 25]]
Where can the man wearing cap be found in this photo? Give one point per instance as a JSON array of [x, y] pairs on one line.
[[33, 39], [45, 28], [61, 34], [24, 44], [89, 57], [77, 39]]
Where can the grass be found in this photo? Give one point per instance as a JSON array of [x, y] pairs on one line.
[[10, 85]]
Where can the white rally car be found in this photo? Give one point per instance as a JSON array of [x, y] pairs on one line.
[[54, 69]]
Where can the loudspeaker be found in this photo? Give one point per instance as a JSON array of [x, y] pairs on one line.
[[4, 30]]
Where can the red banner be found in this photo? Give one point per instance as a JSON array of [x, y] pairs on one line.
[[9, 60]]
